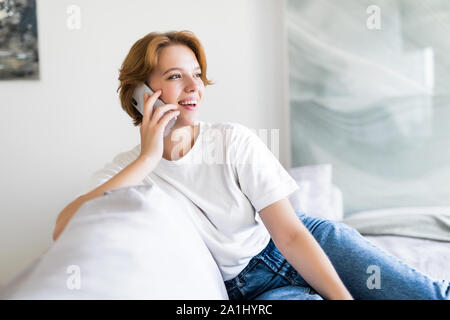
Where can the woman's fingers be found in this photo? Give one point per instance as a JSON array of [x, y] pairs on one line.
[[160, 112], [167, 117], [149, 101]]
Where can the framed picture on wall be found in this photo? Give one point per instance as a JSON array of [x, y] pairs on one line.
[[19, 57]]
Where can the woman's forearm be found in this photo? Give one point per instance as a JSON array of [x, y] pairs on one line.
[[133, 174], [308, 258]]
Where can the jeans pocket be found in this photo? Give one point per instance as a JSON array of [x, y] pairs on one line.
[[246, 273], [234, 285]]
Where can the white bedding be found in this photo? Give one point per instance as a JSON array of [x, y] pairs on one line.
[[133, 243], [387, 228], [117, 262]]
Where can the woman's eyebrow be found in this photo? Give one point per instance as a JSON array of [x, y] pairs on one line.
[[180, 69]]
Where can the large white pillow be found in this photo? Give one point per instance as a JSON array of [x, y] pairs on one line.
[[316, 196], [131, 243]]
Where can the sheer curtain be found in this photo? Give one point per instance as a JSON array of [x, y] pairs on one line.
[[373, 102]]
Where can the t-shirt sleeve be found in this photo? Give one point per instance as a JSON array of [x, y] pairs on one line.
[[260, 175]]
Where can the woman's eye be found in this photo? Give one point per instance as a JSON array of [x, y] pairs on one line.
[[175, 76]]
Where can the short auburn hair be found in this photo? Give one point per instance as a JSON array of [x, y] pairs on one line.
[[142, 59]]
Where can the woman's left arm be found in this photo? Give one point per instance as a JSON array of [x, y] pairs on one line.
[[302, 251]]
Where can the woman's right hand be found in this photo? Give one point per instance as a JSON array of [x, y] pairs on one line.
[[153, 125]]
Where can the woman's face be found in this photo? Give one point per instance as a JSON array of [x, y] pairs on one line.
[[178, 76]]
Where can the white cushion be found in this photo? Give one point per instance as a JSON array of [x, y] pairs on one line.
[[316, 196], [132, 243]]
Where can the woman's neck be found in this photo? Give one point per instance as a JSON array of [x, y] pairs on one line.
[[180, 141]]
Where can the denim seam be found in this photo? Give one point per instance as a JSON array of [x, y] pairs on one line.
[[233, 284], [239, 277], [276, 270], [248, 268]]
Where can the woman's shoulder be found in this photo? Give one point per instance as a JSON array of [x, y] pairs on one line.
[[128, 156]]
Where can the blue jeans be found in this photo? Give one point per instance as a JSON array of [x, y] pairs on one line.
[[367, 271]]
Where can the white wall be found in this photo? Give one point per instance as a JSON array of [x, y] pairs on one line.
[[55, 132]]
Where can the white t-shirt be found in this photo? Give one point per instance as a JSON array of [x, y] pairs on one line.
[[229, 175]]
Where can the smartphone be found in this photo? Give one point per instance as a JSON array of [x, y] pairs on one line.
[[138, 102]]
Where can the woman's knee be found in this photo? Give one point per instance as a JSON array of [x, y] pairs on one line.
[[324, 228]]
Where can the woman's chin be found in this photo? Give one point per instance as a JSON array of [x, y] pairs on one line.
[[186, 121]]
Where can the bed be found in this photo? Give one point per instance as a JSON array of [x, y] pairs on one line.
[[419, 236], [104, 253]]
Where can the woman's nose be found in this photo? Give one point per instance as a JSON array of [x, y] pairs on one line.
[[191, 84]]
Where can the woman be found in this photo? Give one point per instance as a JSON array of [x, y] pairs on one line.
[[264, 249]]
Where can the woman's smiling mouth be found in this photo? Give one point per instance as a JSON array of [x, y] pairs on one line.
[[189, 104], [190, 107]]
